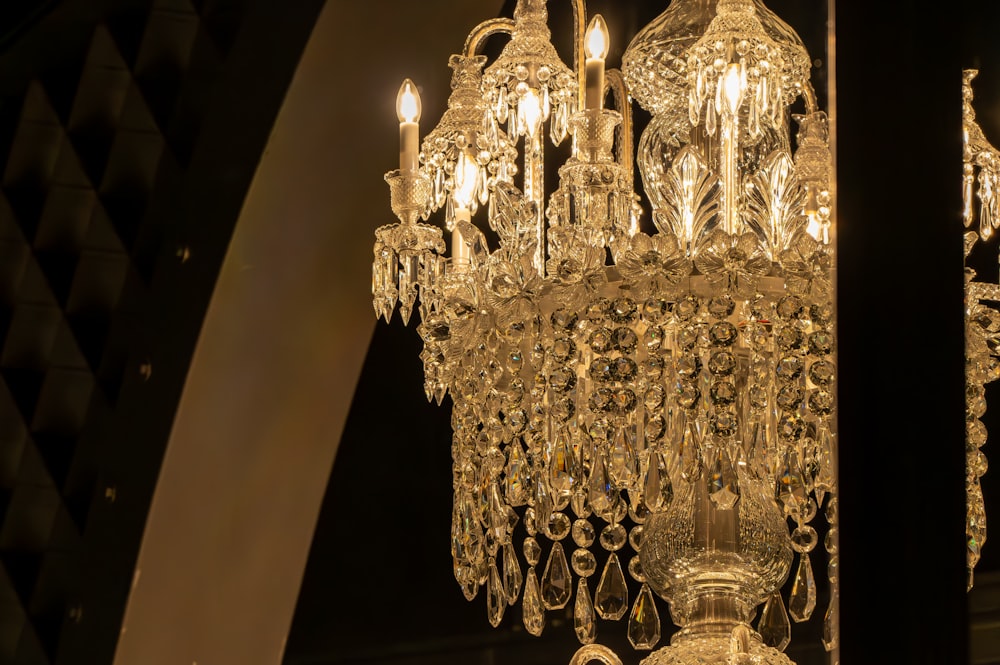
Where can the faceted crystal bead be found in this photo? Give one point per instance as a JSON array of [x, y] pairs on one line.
[[820, 343], [655, 310], [559, 526], [556, 580], [644, 621], [723, 333], [802, 600], [564, 319], [789, 397], [721, 307], [584, 621], [723, 393], [584, 563], [635, 537], [635, 569], [613, 537], [789, 337], [516, 476], [774, 628], [583, 533], [804, 538], [722, 363], [658, 491], [790, 307], [611, 597], [531, 605], [623, 310], [496, 596], [532, 551], [602, 369], [624, 339], [563, 349], [600, 340]]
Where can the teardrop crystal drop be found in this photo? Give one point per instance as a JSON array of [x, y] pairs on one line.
[[622, 460], [644, 621], [601, 493], [562, 462], [611, 597], [511, 574], [584, 621], [517, 476], [658, 491], [831, 626], [802, 600], [556, 580], [723, 487], [774, 627], [496, 597], [531, 605]]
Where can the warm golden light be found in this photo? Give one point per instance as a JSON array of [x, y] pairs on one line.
[[408, 102], [466, 180], [597, 38], [733, 86]]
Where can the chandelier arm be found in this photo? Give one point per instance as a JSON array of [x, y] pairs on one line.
[[809, 95], [477, 38], [616, 82], [579, 62]]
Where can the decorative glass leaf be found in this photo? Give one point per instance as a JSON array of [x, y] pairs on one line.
[[775, 203], [692, 194]]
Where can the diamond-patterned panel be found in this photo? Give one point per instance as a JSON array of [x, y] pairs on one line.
[[101, 113]]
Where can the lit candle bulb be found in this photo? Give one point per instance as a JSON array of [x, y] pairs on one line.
[[596, 50], [466, 183], [408, 112]]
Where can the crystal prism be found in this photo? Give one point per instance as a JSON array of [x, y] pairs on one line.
[[611, 597], [556, 580], [511, 574], [531, 605], [723, 487], [602, 494], [644, 621], [517, 476], [496, 597], [802, 600], [831, 625], [774, 627], [584, 622]]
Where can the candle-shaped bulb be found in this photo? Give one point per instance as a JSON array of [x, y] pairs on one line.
[[466, 180], [597, 41], [408, 102], [408, 112], [733, 86], [596, 48]]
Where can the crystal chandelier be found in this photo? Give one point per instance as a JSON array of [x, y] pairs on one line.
[[667, 387], [981, 178]]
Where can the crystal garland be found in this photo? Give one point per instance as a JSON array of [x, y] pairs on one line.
[[630, 377], [981, 173]]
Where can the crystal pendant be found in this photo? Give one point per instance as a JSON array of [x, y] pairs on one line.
[[517, 476], [658, 490], [774, 628], [512, 577], [531, 605], [644, 621], [556, 580], [802, 600], [584, 621], [496, 597], [602, 494], [723, 487], [831, 626], [611, 597]]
